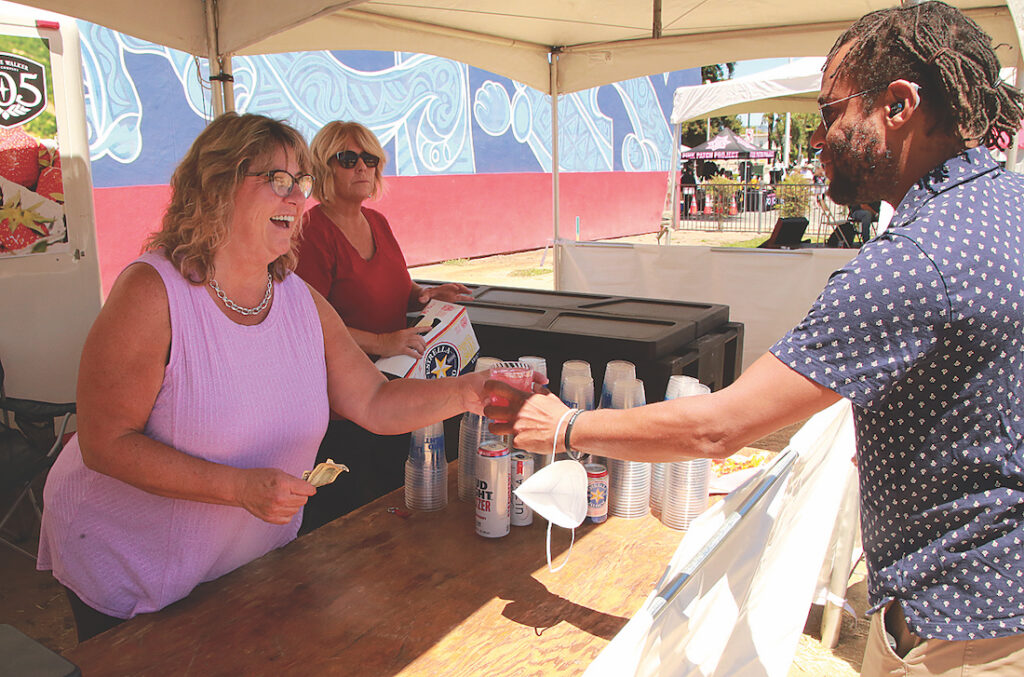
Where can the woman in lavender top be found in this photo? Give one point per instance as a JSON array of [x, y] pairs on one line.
[[205, 387]]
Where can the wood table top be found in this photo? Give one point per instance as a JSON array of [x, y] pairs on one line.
[[379, 594]]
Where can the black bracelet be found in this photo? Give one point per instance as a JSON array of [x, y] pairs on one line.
[[568, 430]]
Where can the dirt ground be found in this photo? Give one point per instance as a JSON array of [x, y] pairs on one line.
[[35, 604], [533, 269]]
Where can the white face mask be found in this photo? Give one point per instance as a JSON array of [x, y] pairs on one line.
[[558, 493]]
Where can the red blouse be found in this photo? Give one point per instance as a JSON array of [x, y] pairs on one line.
[[369, 295]]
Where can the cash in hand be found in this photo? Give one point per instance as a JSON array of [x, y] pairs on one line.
[[324, 473]]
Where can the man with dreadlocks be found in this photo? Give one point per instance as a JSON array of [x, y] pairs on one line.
[[923, 332]]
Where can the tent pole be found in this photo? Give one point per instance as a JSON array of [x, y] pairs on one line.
[[216, 89], [228, 83], [785, 143], [677, 130], [554, 153]]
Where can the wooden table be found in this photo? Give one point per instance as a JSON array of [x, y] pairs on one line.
[[378, 593]]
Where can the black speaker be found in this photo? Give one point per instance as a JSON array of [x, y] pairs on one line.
[[787, 234]]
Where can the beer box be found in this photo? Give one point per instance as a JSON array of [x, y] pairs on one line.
[[451, 344]]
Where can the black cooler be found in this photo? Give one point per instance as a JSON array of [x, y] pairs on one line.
[[660, 337]]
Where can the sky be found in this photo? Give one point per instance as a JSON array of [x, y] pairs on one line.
[[756, 66]]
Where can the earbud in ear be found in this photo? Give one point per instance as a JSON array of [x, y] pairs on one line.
[[895, 109]]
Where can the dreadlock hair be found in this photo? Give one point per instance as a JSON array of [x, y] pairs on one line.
[[944, 52]]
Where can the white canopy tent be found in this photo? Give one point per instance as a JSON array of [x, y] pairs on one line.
[[792, 87], [556, 47]]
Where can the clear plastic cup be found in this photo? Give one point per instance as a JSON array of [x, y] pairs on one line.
[[578, 391], [680, 385], [539, 364], [629, 482], [628, 393], [485, 363], [685, 486], [614, 371], [519, 375], [426, 469]]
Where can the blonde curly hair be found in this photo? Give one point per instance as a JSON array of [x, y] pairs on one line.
[[198, 219], [328, 141]]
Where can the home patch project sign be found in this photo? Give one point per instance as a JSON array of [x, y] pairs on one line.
[[32, 217]]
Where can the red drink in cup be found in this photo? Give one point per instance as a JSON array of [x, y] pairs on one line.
[[519, 375]]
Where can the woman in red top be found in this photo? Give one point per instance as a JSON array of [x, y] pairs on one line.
[[349, 254]]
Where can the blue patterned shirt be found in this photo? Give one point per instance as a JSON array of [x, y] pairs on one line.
[[922, 331]]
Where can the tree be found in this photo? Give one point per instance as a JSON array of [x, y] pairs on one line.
[[717, 72], [801, 127], [694, 132]]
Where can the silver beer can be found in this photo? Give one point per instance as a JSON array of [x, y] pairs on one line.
[[522, 468], [597, 492], [493, 490]]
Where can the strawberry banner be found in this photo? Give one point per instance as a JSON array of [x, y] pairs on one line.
[[31, 187]]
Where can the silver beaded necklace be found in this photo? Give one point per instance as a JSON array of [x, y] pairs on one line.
[[255, 310]]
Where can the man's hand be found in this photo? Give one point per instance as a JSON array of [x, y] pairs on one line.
[[530, 417]]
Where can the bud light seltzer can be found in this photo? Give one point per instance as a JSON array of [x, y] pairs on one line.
[[597, 492], [522, 468], [493, 490]]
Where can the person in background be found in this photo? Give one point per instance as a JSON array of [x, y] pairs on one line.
[[864, 213], [921, 332], [205, 386], [688, 187], [348, 253]]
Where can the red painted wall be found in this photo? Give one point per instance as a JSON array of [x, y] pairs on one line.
[[437, 218]]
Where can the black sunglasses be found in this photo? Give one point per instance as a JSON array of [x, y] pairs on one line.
[[282, 182], [349, 158]]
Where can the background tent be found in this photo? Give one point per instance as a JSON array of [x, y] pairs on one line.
[[726, 146], [792, 87], [551, 46]]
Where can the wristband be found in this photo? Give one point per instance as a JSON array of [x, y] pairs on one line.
[[568, 432], [558, 426]]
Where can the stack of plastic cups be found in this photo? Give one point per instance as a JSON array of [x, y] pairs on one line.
[[577, 393], [538, 363], [629, 482], [573, 368], [677, 384], [685, 494], [613, 371], [473, 431], [426, 470]]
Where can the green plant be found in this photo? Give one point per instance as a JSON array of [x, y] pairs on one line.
[[794, 195]]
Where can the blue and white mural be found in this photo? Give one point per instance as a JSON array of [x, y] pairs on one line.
[[145, 103]]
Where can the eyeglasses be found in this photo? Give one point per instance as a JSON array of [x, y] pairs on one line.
[[282, 182], [349, 158], [825, 121]]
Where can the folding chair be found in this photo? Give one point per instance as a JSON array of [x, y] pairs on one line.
[[29, 443]]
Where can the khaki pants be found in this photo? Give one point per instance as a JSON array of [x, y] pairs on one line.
[[1002, 657]]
